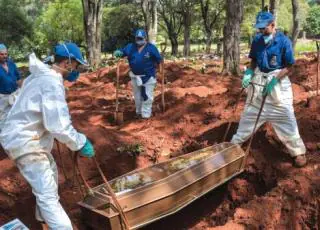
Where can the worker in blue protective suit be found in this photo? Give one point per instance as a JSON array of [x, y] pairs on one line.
[[40, 115], [143, 60], [271, 60], [9, 83]]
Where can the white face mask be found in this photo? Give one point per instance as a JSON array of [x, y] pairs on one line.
[[141, 42], [267, 38]]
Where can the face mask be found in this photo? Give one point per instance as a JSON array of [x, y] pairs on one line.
[[73, 76], [267, 38], [140, 42]]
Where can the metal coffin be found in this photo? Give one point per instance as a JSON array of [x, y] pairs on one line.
[[151, 193]]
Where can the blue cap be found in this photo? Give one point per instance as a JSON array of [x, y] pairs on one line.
[[140, 33], [2, 47], [70, 50], [263, 19]]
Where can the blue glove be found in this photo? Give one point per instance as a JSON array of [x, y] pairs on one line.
[[247, 78], [270, 86], [87, 150], [118, 53]]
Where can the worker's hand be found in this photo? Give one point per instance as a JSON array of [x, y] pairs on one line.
[[247, 78], [87, 150], [270, 86], [118, 53]]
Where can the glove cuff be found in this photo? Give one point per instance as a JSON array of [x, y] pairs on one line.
[[249, 72]]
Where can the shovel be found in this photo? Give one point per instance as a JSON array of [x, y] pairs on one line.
[[163, 88], [118, 116]]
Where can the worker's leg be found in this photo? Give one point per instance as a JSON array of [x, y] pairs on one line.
[[246, 124], [147, 100], [40, 171], [285, 125], [137, 95]]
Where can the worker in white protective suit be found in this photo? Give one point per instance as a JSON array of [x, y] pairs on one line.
[[271, 60], [143, 60], [40, 115], [9, 83]]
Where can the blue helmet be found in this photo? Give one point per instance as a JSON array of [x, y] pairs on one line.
[[140, 33], [263, 19], [70, 50], [2, 47]]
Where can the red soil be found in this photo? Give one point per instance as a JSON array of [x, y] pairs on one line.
[[270, 194]]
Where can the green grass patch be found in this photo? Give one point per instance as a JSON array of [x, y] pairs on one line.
[[305, 46]]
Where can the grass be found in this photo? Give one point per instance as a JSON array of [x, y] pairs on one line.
[[22, 64], [305, 46]]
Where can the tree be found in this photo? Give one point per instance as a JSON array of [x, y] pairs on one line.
[[61, 21], [231, 34], [185, 8], [172, 22], [119, 25], [14, 23], [273, 8], [296, 22], [149, 9], [313, 19], [92, 10], [211, 12]]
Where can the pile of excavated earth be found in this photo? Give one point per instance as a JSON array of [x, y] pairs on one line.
[[269, 194]]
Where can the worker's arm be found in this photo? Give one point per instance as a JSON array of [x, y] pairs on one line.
[[253, 64], [19, 82], [56, 118], [288, 57], [284, 72]]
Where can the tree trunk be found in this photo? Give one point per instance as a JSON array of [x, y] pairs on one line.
[[187, 28], [208, 41], [92, 13], [274, 5], [231, 34], [262, 5], [296, 23], [149, 10], [174, 45]]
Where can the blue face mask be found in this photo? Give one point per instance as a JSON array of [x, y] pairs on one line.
[[73, 76], [267, 38], [140, 42]]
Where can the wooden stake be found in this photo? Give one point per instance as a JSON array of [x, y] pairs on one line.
[[318, 65]]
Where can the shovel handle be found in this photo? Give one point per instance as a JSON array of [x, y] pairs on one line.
[[318, 65], [117, 85], [162, 87]]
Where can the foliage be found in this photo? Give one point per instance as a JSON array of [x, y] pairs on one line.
[[61, 21], [14, 23], [131, 149], [313, 19], [119, 25], [251, 8], [284, 21]]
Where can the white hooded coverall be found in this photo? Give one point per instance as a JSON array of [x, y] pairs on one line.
[[39, 115], [143, 107], [6, 102], [278, 110]]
